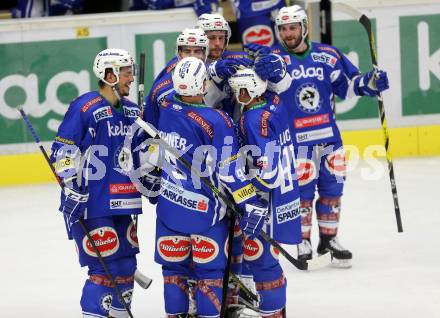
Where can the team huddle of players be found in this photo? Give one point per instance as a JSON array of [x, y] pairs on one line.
[[258, 125]]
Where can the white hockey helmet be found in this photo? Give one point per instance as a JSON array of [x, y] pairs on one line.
[[193, 37], [189, 77], [293, 14], [214, 22], [112, 59], [248, 79]]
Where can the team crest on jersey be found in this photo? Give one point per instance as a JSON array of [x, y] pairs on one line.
[[253, 249], [127, 295], [123, 160], [260, 34], [308, 98], [106, 241], [174, 248], [204, 249], [106, 301]]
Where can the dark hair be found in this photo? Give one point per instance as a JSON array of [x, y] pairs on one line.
[[101, 84]]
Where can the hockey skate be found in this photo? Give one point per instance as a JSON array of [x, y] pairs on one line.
[[305, 250], [341, 257]]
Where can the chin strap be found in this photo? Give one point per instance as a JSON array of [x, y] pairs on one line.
[[115, 91]]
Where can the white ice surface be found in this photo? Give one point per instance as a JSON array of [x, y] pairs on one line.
[[393, 274]]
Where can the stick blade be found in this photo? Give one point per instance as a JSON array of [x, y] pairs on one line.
[[142, 280]]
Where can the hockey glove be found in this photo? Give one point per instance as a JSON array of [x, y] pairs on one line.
[[225, 68], [253, 218], [255, 49], [271, 67], [73, 204], [151, 183], [372, 83]]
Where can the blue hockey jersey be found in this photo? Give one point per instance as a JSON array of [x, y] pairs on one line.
[[252, 8], [161, 88], [205, 137], [272, 167], [318, 75], [96, 131], [220, 94]]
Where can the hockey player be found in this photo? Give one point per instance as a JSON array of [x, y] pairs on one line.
[[90, 158], [264, 128], [223, 63], [191, 227], [319, 72], [190, 42]]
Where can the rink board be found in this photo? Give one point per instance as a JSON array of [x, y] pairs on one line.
[[49, 64]]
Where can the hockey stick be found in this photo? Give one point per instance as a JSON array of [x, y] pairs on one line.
[[141, 91], [81, 220], [314, 263], [366, 23], [228, 266]]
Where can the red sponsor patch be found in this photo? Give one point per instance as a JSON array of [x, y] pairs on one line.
[[335, 163], [202, 123], [90, 103], [226, 119], [264, 123], [191, 39], [305, 170], [158, 87], [204, 249], [260, 34], [106, 240], [218, 23], [174, 248], [252, 249], [275, 252], [312, 121], [285, 17], [122, 188], [132, 235], [202, 205]]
